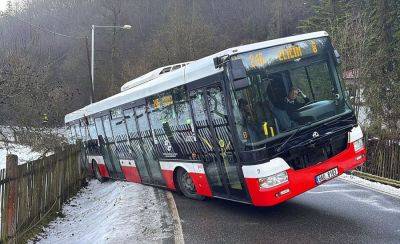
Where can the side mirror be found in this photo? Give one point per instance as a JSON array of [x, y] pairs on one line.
[[337, 56], [239, 76]]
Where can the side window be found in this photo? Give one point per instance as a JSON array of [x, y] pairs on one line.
[[168, 115], [84, 131], [173, 109], [92, 130], [130, 121], [71, 135], [217, 106], [184, 117], [99, 127], [78, 131], [142, 118], [197, 101], [107, 127], [155, 112], [182, 106], [118, 127], [198, 106]]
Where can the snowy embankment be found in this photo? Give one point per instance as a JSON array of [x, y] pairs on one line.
[[390, 190], [112, 212], [24, 153]]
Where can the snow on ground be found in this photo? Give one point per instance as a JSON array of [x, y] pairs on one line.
[[372, 185], [24, 153], [113, 212]]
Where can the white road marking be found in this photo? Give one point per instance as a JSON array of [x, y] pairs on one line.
[[176, 220]]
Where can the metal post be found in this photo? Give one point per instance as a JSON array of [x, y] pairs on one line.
[[89, 63], [92, 63], [125, 27]]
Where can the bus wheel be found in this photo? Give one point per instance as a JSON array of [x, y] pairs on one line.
[[186, 185], [97, 172]]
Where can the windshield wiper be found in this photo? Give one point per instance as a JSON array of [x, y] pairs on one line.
[[333, 121], [309, 141], [279, 149]]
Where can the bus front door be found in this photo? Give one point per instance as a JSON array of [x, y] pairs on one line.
[[213, 129]]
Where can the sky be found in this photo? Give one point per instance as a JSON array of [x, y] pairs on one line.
[[3, 4]]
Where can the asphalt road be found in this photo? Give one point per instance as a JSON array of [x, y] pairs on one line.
[[335, 212]]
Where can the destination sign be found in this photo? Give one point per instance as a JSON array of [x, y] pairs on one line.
[[290, 53], [283, 53]]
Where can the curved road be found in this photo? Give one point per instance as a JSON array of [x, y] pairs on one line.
[[335, 212]]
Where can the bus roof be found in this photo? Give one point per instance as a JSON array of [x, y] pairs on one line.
[[195, 70], [152, 75]]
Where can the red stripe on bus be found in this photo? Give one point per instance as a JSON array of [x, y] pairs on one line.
[[304, 179], [201, 183], [103, 170], [131, 174], [169, 178]]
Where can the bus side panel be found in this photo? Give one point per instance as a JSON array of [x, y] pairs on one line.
[[130, 171], [195, 170], [169, 178], [201, 183], [89, 166], [100, 163], [103, 170]]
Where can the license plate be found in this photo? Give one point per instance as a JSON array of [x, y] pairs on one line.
[[326, 176]]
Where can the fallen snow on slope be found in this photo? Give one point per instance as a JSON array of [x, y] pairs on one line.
[[24, 153], [113, 212], [372, 185]]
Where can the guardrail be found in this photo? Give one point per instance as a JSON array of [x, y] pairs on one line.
[[32, 191]]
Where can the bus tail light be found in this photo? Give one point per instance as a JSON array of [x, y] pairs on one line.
[[273, 180], [358, 145]]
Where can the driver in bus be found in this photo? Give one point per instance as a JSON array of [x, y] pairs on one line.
[[289, 105], [291, 102]]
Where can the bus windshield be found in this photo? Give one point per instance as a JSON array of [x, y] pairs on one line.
[[291, 85]]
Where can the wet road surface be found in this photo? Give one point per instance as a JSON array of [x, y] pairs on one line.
[[335, 212]]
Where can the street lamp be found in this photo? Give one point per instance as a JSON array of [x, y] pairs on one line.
[[124, 27]]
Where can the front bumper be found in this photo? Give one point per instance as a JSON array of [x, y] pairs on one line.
[[304, 179]]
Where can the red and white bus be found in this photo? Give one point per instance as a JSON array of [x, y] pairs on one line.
[[258, 124]]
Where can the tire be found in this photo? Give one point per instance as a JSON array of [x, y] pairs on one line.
[[186, 185], [96, 172]]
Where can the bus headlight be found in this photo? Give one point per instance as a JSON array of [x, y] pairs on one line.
[[358, 145], [273, 180]]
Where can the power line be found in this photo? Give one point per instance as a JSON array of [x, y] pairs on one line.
[[45, 29]]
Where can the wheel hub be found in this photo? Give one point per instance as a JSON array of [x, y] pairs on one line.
[[188, 183]]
